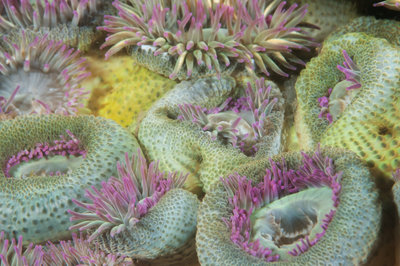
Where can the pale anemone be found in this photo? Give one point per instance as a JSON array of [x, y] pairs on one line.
[[47, 73], [6, 109], [295, 208], [207, 34], [391, 4], [121, 214]]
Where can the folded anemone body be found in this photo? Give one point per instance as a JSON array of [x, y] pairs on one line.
[[41, 76], [143, 213], [209, 128], [347, 98], [69, 21], [184, 39], [48, 159], [292, 209]]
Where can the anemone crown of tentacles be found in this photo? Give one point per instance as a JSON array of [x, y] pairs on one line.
[[260, 35], [23, 14], [42, 76]]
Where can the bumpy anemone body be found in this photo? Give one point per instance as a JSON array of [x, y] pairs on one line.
[[186, 39], [327, 15], [69, 21], [295, 209], [143, 213], [368, 122], [47, 73], [121, 90], [46, 161], [206, 151]]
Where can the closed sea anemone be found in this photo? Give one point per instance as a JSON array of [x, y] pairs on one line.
[[143, 213], [45, 161], [294, 208], [48, 75], [193, 38]]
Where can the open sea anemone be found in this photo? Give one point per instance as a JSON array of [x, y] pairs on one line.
[[47, 160], [48, 75], [143, 213], [319, 207], [70, 21], [186, 39]]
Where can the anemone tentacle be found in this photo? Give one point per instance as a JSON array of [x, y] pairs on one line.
[[188, 148], [295, 209], [125, 215], [47, 73], [368, 125], [35, 198]]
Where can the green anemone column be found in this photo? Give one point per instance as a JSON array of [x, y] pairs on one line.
[[49, 160]]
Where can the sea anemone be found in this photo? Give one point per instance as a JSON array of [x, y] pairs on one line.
[[7, 111], [294, 208], [368, 125], [340, 96], [13, 253], [70, 21], [47, 160], [205, 148], [205, 36], [80, 251], [391, 4], [240, 122], [48, 75], [127, 214]]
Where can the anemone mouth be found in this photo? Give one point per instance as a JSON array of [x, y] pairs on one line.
[[240, 122], [288, 212], [210, 34], [47, 74], [342, 94], [23, 14], [47, 159]]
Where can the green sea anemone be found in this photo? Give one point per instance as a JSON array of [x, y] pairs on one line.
[[183, 39], [47, 160], [69, 21], [47, 73], [143, 213], [296, 208], [206, 135], [365, 122]]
